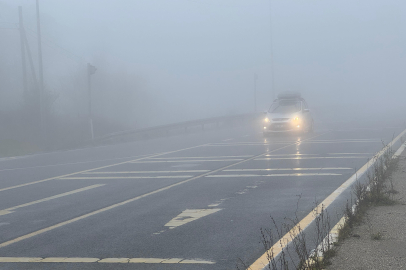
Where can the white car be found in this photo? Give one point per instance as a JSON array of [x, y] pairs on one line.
[[288, 113]]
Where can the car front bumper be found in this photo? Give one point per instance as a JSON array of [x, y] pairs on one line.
[[282, 127]]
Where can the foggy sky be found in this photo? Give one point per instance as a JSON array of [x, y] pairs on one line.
[[197, 58]]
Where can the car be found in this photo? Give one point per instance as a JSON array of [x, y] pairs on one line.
[[288, 113]]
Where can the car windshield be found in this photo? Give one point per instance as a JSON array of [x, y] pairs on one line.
[[285, 106]]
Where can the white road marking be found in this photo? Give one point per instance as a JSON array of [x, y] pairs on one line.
[[98, 168], [61, 224], [70, 163], [351, 153], [186, 160], [288, 169], [213, 205], [12, 209], [287, 155], [227, 140], [210, 157], [189, 215], [97, 260], [244, 144], [151, 172], [348, 157], [307, 142], [125, 177], [269, 175]]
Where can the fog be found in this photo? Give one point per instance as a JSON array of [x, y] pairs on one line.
[[163, 61]]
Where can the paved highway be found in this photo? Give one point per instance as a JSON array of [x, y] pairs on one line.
[[195, 201]]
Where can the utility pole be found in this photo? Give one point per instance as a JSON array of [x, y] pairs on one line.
[[41, 77], [272, 60], [255, 92], [22, 41], [90, 71]]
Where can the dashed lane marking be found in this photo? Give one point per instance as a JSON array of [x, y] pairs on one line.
[[270, 175], [12, 209], [97, 260], [190, 215], [151, 172], [58, 225], [125, 177]]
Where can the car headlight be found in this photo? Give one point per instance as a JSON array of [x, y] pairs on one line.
[[296, 119], [266, 119]]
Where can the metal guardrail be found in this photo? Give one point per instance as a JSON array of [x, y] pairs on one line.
[[201, 124]]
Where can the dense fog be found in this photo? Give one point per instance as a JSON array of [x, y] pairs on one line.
[[162, 62]]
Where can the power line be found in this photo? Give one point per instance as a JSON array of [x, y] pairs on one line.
[[82, 60]]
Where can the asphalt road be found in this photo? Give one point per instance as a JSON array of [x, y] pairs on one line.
[[195, 201]]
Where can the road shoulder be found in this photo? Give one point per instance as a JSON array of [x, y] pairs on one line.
[[380, 241]]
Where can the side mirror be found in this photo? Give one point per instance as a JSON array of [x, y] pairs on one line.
[[306, 110]]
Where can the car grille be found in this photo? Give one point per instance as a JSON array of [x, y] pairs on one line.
[[280, 119], [280, 127]]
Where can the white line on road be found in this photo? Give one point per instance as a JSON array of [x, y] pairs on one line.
[[97, 260], [98, 168], [70, 163], [287, 169], [186, 160], [125, 177], [307, 142], [211, 157], [269, 175], [347, 157], [190, 215], [351, 153], [11, 209], [287, 155], [152, 172], [281, 244], [61, 224]]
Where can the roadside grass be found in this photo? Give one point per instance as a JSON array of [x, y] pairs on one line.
[[376, 236], [11, 147], [377, 190], [301, 253]]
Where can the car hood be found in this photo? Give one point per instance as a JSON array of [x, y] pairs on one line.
[[283, 115]]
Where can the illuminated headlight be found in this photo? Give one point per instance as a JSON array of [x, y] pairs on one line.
[[298, 126], [266, 119], [296, 119], [264, 127]]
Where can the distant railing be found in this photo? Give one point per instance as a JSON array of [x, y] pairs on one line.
[[176, 128]]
